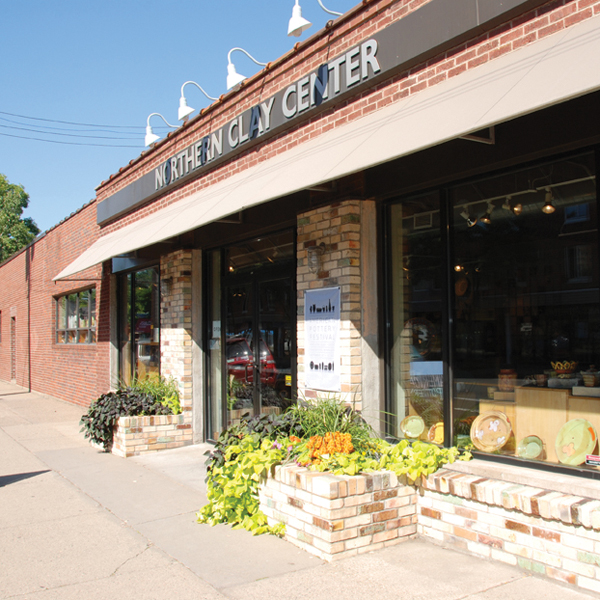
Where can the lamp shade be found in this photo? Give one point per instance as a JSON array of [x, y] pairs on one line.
[[184, 110], [151, 137], [298, 24], [233, 77]]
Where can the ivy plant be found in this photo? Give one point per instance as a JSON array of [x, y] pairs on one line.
[[99, 421]]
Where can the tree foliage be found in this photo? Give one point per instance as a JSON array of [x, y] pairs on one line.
[[15, 230]]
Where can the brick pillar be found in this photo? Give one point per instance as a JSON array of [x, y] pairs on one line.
[[346, 229], [176, 324]]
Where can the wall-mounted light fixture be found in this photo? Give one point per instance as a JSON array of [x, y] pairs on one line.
[[233, 77], [184, 110], [315, 256], [487, 216], [467, 217], [151, 137], [548, 207], [298, 24]]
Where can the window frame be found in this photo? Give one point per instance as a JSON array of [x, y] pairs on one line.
[[84, 331]]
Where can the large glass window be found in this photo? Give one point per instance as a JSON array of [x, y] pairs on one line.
[[526, 313], [76, 318], [498, 299], [139, 328]]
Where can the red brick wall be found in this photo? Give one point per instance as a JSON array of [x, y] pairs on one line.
[[78, 373], [374, 16]]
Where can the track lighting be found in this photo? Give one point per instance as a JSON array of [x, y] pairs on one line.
[[487, 216], [467, 217], [548, 207]]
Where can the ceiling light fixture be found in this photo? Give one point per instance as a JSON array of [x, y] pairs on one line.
[[487, 216], [151, 137], [233, 77], [184, 110], [548, 207]]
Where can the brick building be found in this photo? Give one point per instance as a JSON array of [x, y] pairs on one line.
[[400, 210]]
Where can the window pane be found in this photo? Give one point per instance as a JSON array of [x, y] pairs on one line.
[[92, 295], [83, 309], [526, 312], [416, 350], [72, 311], [61, 319]]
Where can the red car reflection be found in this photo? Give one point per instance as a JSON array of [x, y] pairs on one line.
[[240, 362]]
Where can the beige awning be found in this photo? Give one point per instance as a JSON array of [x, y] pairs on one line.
[[557, 68]]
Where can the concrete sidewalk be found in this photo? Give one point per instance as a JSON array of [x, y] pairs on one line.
[[78, 523]]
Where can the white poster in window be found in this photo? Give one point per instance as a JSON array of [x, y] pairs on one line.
[[322, 339]]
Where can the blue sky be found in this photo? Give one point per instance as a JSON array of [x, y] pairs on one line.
[[112, 63]]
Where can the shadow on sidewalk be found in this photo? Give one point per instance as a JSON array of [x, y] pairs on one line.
[[8, 479]]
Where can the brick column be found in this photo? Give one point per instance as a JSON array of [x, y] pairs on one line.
[[348, 261], [176, 324]]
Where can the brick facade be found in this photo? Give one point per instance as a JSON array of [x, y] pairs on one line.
[[176, 324], [373, 16], [78, 373]]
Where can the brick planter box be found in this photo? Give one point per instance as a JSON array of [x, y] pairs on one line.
[[546, 532], [138, 435], [339, 516]]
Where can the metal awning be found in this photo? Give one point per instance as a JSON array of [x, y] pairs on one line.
[[555, 69]]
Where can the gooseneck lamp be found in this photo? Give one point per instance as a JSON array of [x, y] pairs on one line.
[[331, 12], [151, 137], [233, 77], [298, 24], [184, 110]]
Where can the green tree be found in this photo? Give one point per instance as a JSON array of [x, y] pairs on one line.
[[15, 231]]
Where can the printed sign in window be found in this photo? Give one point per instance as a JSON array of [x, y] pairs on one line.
[[322, 337]]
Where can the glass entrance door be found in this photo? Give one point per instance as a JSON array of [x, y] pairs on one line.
[[259, 347], [251, 330]]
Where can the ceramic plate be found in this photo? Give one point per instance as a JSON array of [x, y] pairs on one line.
[[436, 433], [412, 426], [530, 447], [575, 439], [490, 431]]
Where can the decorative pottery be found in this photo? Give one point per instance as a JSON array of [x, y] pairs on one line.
[[490, 431], [530, 447], [575, 439], [566, 367], [436, 433], [507, 379], [412, 426]]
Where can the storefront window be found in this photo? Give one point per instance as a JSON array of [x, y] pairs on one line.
[[416, 366], [139, 324], [496, 300], [526, 313]]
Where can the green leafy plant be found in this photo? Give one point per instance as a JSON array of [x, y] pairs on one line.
[[264, 426], [99, 422], [164, 390], [232, 489]]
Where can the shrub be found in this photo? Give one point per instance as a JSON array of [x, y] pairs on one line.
[[326, 415], [99, 421], [162, 389], [265, 426]]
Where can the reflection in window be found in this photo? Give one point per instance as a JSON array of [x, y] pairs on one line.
[[526, 311], [76, 318], [415, 344], [139, 331]]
